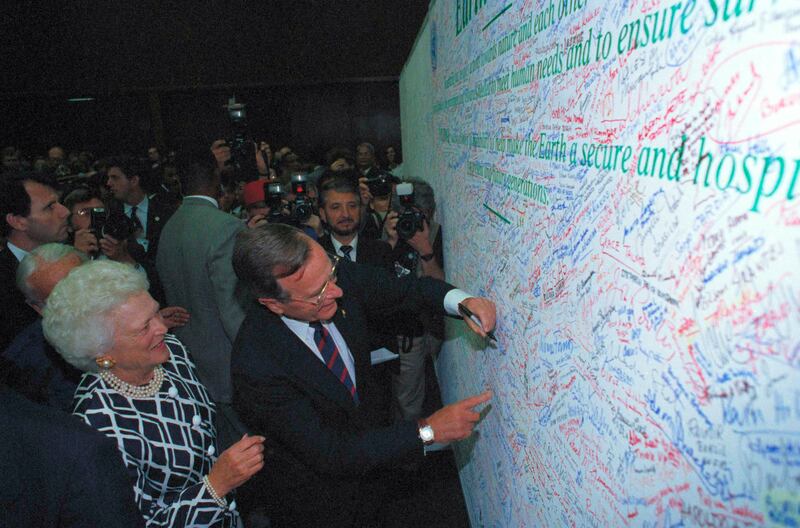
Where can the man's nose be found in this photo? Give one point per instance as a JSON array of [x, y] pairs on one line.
[[334, 291]]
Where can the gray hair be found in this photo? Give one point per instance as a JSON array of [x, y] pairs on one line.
[[78, 317], [339, 184], [44, 254], [369, 146], [265, 254]]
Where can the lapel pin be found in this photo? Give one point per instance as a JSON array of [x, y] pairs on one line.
[[344, 313]]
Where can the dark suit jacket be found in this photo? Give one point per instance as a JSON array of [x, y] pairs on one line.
[[16, 314], [58, 471], [160, 208], [38, 372], [370, 251], [321, 447]]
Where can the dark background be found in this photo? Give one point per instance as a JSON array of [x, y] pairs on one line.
[[313, 73]]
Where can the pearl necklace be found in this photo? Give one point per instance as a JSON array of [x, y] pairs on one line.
[[135, 391]]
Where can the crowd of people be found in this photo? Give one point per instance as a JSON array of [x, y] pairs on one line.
[[193, 334]]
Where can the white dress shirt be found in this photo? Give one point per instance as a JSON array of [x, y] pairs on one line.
[[141, 214], [19, 253], [306, 334], [337, 247]]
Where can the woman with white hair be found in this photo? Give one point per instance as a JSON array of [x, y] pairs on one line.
[[140, 388]]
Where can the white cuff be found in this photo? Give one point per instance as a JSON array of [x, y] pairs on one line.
[[452, 300]]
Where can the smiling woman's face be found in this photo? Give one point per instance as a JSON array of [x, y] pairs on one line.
[[139, 329]]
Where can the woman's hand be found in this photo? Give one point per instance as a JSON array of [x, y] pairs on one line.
[[237, 464]]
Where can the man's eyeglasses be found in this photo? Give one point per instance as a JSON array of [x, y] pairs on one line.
[[319, 299]]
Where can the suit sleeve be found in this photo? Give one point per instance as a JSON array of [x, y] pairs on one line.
[[292, 419], [101, 494], [407, 293], [226, 287]]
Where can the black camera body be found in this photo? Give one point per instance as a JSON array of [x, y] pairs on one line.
[[381, 183], [410, 220], [242, 147], [273, 198], [118, 226], [302, 207]]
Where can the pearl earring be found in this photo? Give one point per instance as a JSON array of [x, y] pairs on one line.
[[105, 362]]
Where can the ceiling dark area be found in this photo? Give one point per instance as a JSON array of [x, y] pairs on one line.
[[91, 48]]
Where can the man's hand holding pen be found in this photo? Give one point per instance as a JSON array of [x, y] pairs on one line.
[[481, 309]]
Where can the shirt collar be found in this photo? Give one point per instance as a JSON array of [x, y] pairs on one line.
[[300, 327], [204, 197], [337, 245], [141, 206], [19, 253]]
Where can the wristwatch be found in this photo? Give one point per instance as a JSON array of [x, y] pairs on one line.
[[425, 431]]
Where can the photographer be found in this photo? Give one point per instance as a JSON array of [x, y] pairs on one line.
[[417, 251], [267, 202], [102, 233], [85, 237], [376, 194], [418, 244], [237, 163]]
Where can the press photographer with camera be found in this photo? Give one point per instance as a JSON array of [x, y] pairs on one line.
[[240, 154], [416, 239], [273, 202], [412, 233], [376, 195], [93, 231]]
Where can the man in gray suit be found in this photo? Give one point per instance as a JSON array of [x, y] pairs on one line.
[[194, 264]]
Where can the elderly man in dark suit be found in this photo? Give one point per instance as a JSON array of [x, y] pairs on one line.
[[30, 215], [301, 376], [58, 471]]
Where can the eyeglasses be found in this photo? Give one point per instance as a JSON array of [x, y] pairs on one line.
[[319, 299]]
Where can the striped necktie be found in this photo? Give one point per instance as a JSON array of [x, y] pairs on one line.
[[135, 218], [333, 360], [346, 252]]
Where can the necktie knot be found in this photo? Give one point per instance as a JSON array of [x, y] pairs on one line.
[[346, 251]]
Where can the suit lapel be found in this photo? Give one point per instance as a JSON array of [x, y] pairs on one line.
[[303, 364]]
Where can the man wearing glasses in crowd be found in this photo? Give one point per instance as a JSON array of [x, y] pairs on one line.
[[301, 377]]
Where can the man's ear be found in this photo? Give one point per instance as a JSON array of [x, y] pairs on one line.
[[135, 181], [322, 215], [272, 305], [17, 222]]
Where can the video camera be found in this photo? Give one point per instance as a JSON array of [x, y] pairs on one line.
[[411, 219]]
